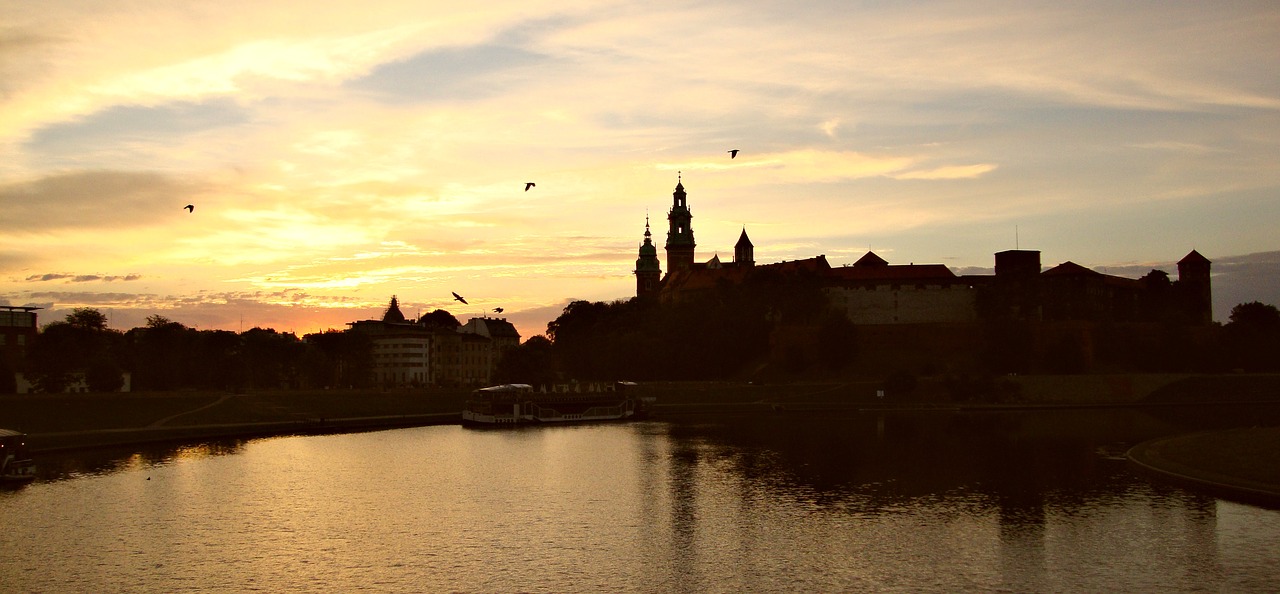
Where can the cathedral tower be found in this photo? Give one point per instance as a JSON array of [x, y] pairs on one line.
[[648, 268], [680, 242]]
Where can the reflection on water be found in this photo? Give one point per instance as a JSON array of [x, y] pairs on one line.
[[70, 465], [1034, 501]]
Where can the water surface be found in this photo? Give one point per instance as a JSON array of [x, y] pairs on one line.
[[856, 502]]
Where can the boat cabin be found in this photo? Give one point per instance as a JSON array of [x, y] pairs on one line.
[[15, 462]]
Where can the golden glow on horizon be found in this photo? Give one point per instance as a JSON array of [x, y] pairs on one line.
[[337, 156]]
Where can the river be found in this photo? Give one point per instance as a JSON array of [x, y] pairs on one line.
[[861, 502]]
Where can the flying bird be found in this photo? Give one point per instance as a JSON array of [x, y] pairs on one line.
[[497, 310], [733, 153], [457, 297], [528, 185], [190, 207]]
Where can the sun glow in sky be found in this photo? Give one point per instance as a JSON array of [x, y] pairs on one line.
[[339, 153]]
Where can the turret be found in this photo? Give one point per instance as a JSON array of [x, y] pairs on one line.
[[648, 268]]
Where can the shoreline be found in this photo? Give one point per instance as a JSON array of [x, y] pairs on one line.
[[69, 441], [1215, 462], [1223, 463]]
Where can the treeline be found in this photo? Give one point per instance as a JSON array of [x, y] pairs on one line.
[[788, 329], [166, 355], [726, 332], [716, 334]]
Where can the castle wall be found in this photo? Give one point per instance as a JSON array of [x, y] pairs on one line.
[[905, 304]]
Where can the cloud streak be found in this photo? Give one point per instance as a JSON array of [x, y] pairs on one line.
[[83, 278]]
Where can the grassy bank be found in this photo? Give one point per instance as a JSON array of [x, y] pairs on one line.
[[1242, 464], [86, 420], [56, 421]]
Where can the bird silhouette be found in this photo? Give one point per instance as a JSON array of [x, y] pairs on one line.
[[733, 153], [497, 310], [190, 207], [457, 297], [528, 185]]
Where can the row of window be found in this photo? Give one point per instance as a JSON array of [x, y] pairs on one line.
[[22, 339]]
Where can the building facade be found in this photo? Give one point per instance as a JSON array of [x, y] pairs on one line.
[[17, 330], [410, 353]]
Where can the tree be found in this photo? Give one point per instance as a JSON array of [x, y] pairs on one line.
[[87, 318], [339, 358], [1257, 316], [158, 321], [63, 349], [271, 358], [439, 319], [1253, 337], [533, 362], [162, 354], [103, 375]]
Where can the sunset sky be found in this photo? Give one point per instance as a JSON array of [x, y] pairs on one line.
[[341, 153]]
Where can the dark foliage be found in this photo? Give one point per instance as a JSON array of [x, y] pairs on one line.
[[338, 359], [166, 355], [1252, 337], [439, 319], [530, 363], [715, 334], [75, 345]]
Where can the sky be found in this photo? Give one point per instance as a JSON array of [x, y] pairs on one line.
[[339, 153]]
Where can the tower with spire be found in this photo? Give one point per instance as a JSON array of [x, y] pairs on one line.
[[680, 244], [744, 253], [648, 268]]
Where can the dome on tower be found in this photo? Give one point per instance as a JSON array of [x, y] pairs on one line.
[[393, 313]]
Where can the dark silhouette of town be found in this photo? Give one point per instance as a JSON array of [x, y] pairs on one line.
[[738, 320]]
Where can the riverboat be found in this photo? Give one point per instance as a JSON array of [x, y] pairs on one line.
[[16, 466], [519, 404]]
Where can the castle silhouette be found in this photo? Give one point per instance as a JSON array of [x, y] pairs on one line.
[[889, 301]]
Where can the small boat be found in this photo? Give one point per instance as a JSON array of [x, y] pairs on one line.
[[516, 404], [16, 466]]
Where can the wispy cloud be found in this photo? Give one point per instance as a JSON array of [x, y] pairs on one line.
[[83, 278]]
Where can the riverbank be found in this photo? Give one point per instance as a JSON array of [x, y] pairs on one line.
[[56, 422], [69, 421], [1239, 464]]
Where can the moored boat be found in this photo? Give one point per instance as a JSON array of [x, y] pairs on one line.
[[516, 404], [16, 465]]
